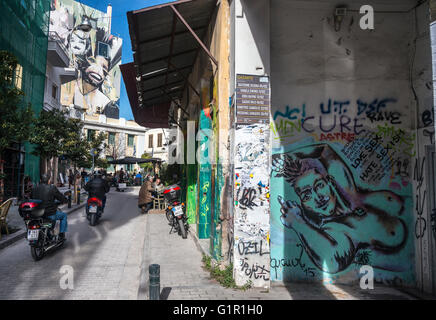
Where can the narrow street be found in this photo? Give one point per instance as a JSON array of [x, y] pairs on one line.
[[110, 261], [105, 258]]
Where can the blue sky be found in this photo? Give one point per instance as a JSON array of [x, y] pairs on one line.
[[120, 28]]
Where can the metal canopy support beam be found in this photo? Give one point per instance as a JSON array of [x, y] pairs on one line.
[[180, 33], [166, 58], [160, 6], [160, 96], [186, 79], [158, 87], [194, 34], [160, 74], [171, 48], [172, 99]]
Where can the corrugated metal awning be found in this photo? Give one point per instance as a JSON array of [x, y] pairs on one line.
[[166, 41], [155, 116]]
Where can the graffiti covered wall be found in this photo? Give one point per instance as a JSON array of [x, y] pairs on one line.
[[343, 147], [95, 54], [251, 193], [251, 196], [424, 160]]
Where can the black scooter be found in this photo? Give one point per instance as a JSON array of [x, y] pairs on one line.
[[175, 211], [42, 233], [94, 210]]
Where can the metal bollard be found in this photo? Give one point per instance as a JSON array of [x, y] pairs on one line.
[[154, 272], [69, 201], [78, 197]]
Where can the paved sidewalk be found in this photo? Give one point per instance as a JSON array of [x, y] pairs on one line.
[[182, 275]]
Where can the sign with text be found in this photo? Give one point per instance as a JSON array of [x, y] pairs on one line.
[[253, 103]]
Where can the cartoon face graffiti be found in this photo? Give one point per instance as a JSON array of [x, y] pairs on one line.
[[332, 216], [97, 70], [315, 193]]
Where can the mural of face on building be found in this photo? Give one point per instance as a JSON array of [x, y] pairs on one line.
[[95, 54], [96, 71], [79, 42]]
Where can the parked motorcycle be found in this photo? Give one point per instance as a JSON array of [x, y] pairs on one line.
[[175, 211], [42, 233], [94, 209]]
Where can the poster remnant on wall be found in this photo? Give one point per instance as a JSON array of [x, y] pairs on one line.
[[94, 53]]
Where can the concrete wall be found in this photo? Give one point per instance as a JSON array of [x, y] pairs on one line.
[[344, 142], [424, 160]]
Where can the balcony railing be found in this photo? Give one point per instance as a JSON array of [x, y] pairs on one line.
[[53, 36], [57, 52]]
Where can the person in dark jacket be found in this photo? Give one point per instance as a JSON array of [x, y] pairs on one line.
[[145, 199], [48, 193], [98, 187]]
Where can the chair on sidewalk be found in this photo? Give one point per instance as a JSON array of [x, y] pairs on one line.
[[158, 203], [4, 210]]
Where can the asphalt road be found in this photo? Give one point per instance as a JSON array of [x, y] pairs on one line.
[[104, 260]]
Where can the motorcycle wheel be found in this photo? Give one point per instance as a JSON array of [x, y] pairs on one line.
[[37, 252], [93, 220], [182, 228], [169, 215]]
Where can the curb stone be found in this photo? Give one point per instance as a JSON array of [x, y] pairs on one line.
[[143, 288], [21, 234], [197, 243]]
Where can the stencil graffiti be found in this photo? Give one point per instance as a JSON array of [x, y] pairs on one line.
[[332, 216]]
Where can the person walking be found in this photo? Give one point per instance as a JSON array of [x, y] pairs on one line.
[[138, 179], [70, 178]]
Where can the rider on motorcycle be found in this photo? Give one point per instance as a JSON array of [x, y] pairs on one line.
[[48, 193], [98, 187]]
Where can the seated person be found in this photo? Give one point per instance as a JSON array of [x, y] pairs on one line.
[[145, 200], [158, 186]]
